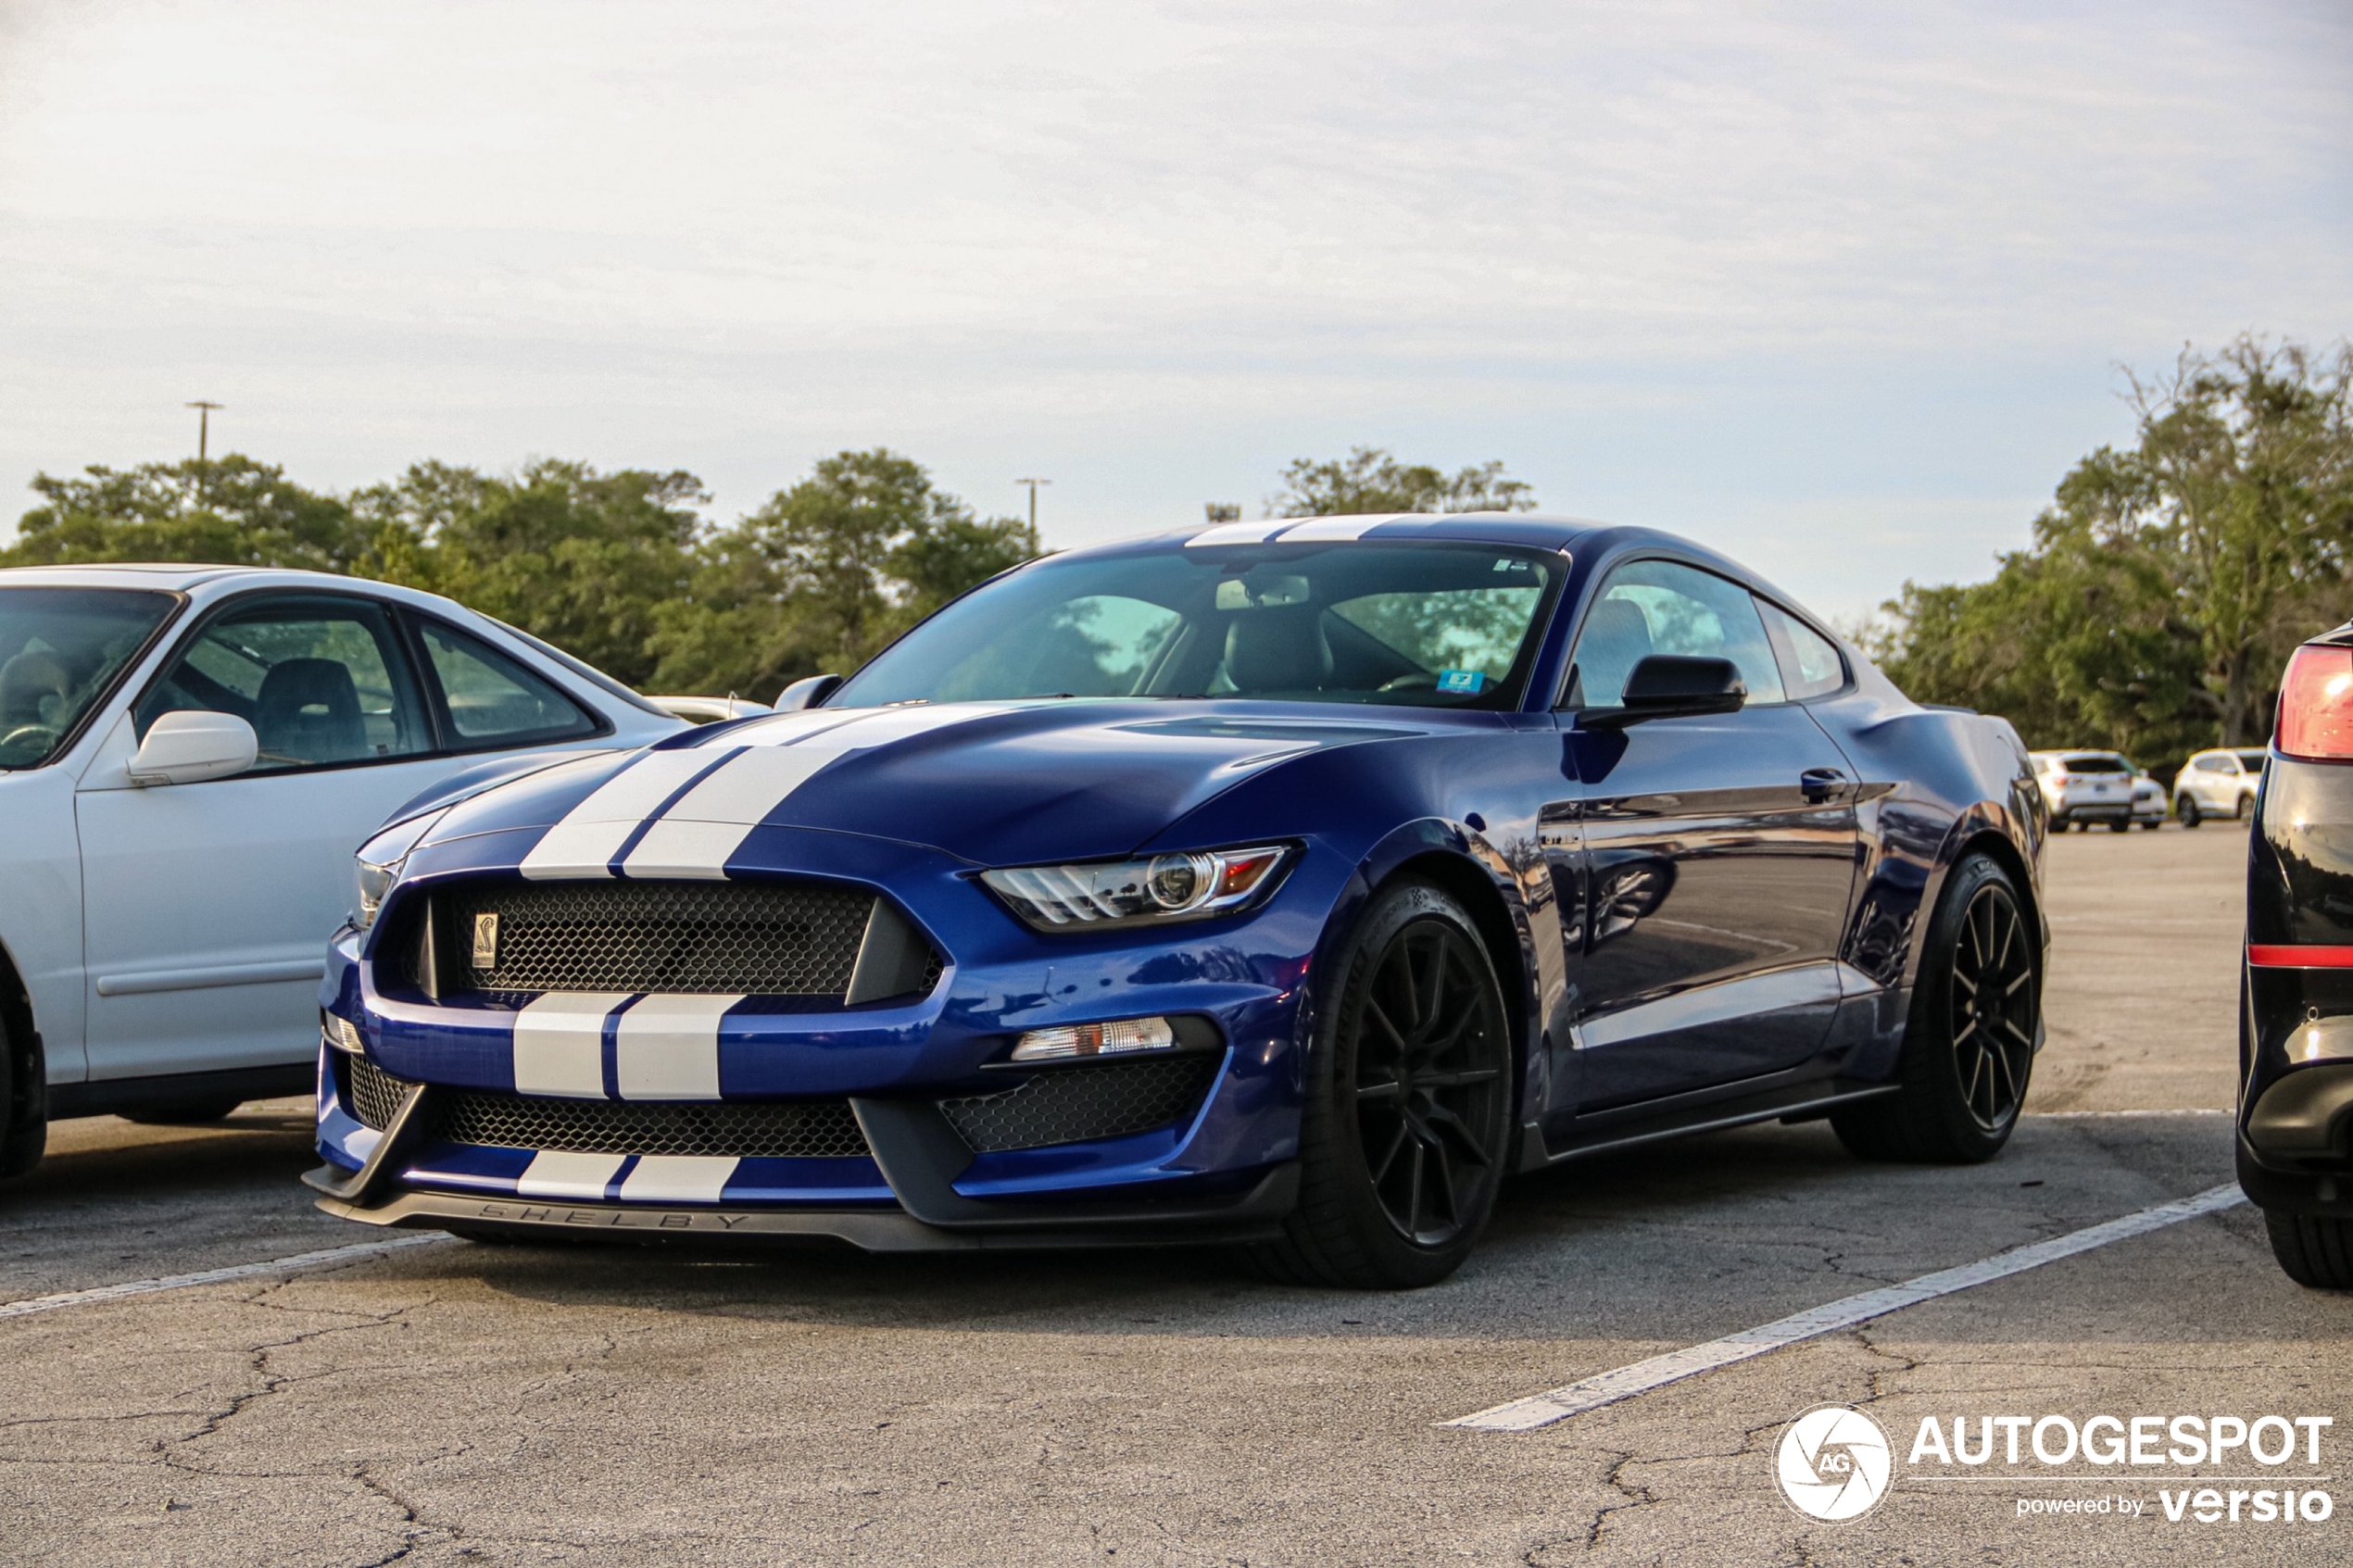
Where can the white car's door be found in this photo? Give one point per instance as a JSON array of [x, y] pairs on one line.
[[208, 905]]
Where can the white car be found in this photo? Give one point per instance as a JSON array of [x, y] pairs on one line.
[[2148, 800], [188, 757], [2083, 787], [2220, 783]]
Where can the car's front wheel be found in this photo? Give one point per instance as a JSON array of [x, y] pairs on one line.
[[1409, 1099], [2186, 807], [1969, 1047], [2314, 1250]]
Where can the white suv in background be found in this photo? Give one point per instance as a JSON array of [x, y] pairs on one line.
[[188, 757], [2217, 784], [2083, 787]]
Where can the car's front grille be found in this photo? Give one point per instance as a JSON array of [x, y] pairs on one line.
[[1079, 1104], [824, 1129], [772, 939]]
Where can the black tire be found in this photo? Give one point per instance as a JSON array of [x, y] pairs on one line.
[[2124, 826], [2186, 807], [2314, 1251], [188, 1113], [2238, 812], [1968, 1046], [1409, 1103], [2152, 827]]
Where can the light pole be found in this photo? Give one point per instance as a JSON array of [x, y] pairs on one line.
[[204, 426], [1032, 484]]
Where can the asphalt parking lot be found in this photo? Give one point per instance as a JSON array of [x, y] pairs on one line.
[[449, 1402]]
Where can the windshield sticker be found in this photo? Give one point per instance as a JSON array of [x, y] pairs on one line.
[[1461, 679]]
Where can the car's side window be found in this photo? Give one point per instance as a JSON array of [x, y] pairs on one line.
[[322, 680], [2213, 765], [490, 700], [1811, 664], [1649, 607]]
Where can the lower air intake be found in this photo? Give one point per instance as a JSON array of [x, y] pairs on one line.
[[1082, 1104], [741, 1129]]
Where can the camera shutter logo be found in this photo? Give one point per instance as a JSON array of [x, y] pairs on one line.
[[1833, 1463]]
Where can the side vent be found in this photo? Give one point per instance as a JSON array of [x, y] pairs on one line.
[[892, 961]]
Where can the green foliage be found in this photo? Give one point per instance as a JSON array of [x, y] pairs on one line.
[[824, 574], [583, 558], [2167, 583], [233, 511], [1369, 480]]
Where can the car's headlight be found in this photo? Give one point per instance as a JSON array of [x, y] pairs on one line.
[[381, 860], [1102, 893]]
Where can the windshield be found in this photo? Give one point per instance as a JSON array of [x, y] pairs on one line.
[[60, 650], [1420, 625]]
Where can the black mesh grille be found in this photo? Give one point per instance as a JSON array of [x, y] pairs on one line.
[[369, 1093], [746, 1129], [1077, 1104], [749, 1129], [713, 938]]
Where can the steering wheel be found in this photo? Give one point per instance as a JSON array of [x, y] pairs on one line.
[[36, 732], [1419, 680]]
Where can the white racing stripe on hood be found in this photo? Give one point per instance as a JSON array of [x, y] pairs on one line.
[[593, 832], [696, 836]]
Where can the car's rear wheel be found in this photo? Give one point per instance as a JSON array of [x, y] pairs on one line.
[[2186, 807], [1969, 1047], [184, 1114], [2238, 812], [1409, 1101], [2124, 826], [2314, 1251]]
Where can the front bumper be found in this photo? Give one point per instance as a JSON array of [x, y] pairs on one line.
[[915, 1172]]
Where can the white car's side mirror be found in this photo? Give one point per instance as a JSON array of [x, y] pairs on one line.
[[190, 747]]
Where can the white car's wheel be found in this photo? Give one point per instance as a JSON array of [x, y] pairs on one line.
[[2186, 807]]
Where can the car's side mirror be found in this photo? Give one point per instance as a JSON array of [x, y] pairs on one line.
[[189, 747], [807, 693], [1672, 685]]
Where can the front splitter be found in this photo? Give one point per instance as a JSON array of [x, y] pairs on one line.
[[1254, 1219]]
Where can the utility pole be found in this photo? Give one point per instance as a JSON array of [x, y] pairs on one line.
[[204, 426], [1032, 484]]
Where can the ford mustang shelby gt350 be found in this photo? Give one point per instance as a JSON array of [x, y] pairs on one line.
[[1285, 883]]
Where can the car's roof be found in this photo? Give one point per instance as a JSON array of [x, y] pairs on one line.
[[1535, 530], [178, 576]]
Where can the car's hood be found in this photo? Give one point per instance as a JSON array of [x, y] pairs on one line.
[[989, 783]]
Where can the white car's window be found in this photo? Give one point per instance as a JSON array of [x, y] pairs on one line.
[[60, 650], [1660, 606], [1810, 665], [320, 680], [491, 699], [2216, 765]]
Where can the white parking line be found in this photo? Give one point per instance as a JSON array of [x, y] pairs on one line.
[[299, 1261], [1609, 1387]]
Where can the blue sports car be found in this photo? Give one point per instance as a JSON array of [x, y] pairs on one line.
[[1287, 883]]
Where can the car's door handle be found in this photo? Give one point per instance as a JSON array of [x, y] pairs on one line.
[[1820, 784]]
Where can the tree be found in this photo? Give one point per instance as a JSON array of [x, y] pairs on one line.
[[825, 572], [2167, 582], [230, 511], [582, 559], [1369, 480]]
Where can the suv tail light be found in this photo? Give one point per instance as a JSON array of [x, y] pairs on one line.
[[2316, 705]]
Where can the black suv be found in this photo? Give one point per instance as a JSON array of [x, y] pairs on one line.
[[2295, 1000]]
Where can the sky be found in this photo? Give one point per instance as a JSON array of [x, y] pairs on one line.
[[1842, 290]]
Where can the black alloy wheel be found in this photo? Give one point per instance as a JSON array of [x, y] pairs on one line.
[[1405, 1135], [1968, 1046], [1429, 1081], [1990, 989]]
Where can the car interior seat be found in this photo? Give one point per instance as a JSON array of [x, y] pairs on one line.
[[309, 711], [35, 687], [1278, 649], [1616, 638]]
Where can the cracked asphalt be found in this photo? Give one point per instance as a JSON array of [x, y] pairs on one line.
[[457, 1403]]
